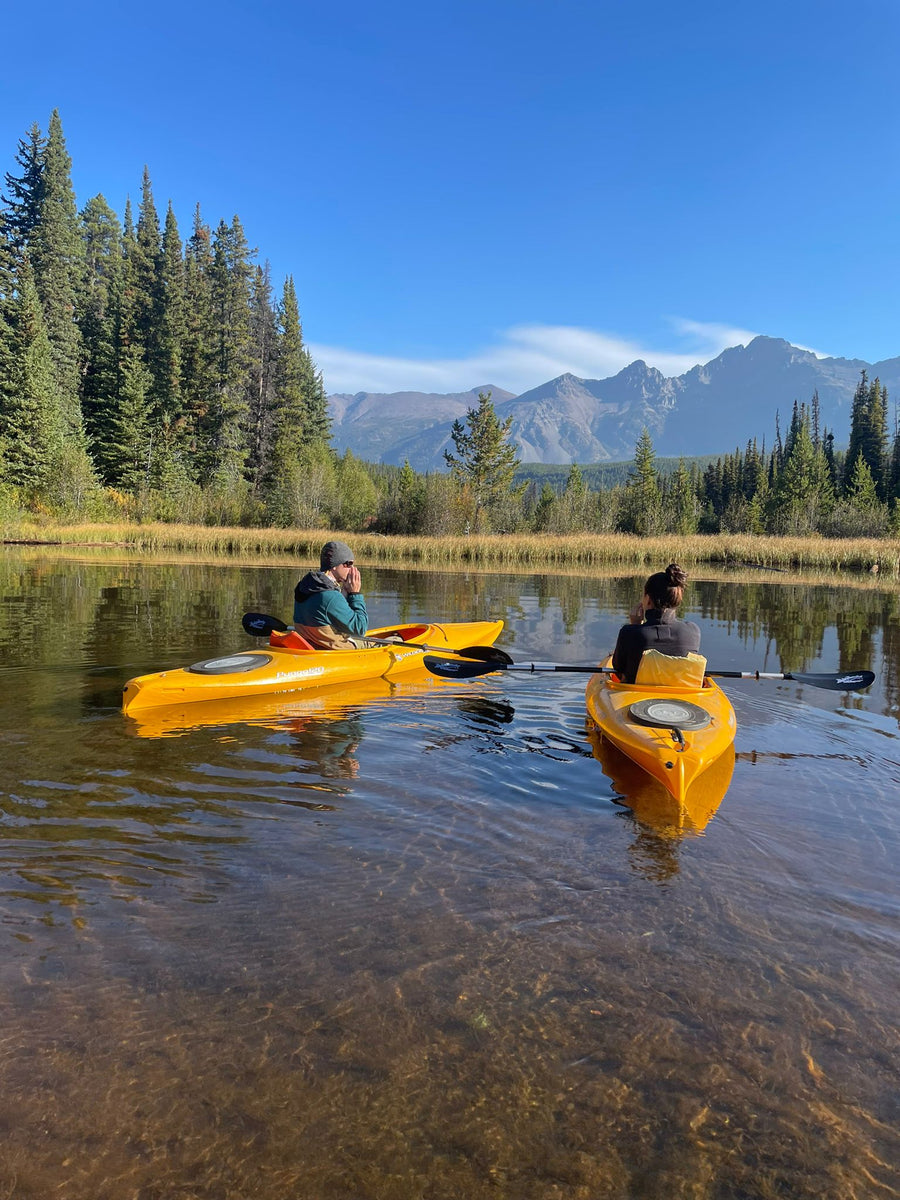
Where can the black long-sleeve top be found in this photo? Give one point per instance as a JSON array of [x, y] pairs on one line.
[[660, 631]]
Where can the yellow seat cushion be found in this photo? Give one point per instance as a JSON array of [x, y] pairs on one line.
[[670, 670]]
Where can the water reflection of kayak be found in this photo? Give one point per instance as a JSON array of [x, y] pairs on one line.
[[328, 703], [280, 667], [654, 805], [673, 733]]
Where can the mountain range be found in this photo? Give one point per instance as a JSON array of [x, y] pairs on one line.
[[711, 409]]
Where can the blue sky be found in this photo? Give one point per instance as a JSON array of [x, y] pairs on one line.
[[497, 192]]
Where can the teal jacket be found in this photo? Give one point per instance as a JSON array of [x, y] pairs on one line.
[[319, 601]]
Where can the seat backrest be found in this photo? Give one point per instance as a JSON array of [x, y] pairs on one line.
[[290, 639], [670, 670]]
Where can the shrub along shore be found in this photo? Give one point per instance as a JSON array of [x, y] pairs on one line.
[[530, 551]]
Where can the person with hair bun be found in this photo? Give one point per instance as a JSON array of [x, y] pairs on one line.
[[654, 626]]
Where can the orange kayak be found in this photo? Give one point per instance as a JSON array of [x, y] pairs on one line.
[[674, 733]]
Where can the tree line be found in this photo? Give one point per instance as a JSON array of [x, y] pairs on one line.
[[146, 377], [142, 375], [802, 486]]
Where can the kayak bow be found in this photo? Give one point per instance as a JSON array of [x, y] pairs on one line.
[[674, 733]]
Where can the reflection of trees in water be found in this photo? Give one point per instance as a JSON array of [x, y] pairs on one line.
[[890, 682], [468, 596], [795, 619], [569, 592], [105, 612], [472, 596]]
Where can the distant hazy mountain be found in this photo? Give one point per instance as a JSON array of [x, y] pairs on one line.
[[709, 410], [391, 426]]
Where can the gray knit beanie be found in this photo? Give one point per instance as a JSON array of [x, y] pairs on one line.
[[333, 554]]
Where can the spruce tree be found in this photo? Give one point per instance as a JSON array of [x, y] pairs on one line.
[[290, 377], [56, 251], [894, 469], [171, 331], [862, 491], [878, 437], [683, 508], [316, 417], [543, 509], [858, 421], [198, 341], [32, 425], [24, 193], [642, 509], [223, 449], [802, 495], [485, 461], [123, 441], [299, 413], [575, 485], [98, 321], [130, 441], [575, 509], [146, 290], [261, 377], [411, 499], [868, 433], [7, 300]]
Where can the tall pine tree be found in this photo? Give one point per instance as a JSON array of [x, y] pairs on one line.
[[98, 320], [57, 254], [261, 376], [171, 328], [485, 460], [198, 345], [642, 507], [25, 193], [32, 424], [223, 448]]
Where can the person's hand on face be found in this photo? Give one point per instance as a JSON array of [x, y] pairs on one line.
[[352, 581]]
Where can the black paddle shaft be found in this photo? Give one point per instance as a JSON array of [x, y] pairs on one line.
[[446, 668]]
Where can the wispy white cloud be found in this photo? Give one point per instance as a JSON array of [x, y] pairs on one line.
[[525, 356], [710, 337]]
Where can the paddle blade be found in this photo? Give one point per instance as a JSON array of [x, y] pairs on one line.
[[848, 681], [459, 668], [259, 625], [488, 654]]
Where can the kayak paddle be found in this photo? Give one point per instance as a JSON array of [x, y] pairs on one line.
[[261, 625], [452, 668]]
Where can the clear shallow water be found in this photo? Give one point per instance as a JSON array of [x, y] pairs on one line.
[[408, 942]]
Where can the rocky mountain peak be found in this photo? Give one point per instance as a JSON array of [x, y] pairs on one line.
[[710, 409]]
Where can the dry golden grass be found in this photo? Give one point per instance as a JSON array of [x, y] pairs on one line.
[[488, 551]]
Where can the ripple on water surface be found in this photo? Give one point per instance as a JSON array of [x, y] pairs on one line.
[[417, 946]]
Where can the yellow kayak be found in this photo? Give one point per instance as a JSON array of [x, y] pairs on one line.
[[284, 667], [674, 733], [286, 710]]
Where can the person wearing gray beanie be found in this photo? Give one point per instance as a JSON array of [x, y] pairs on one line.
[[329, 607], [334, 554]]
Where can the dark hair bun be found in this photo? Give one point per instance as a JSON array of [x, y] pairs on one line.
[[675, 576]]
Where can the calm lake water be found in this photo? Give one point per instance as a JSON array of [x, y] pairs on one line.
[[408, 943]]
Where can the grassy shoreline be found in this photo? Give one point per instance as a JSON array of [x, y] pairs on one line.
[[874, 556]]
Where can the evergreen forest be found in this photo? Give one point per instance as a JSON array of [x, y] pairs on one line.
[[147, 377]]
